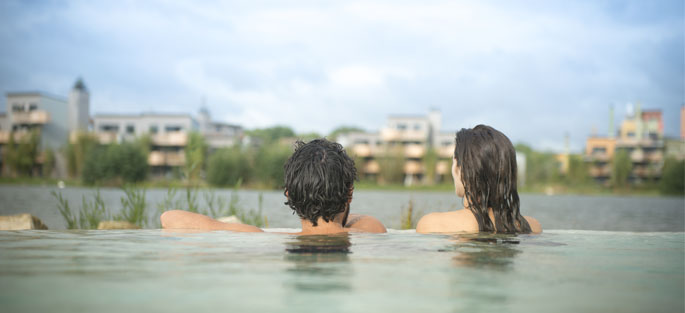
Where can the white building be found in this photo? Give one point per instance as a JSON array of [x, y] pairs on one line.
[[169, 134], [217, 134], [414, 135], [52, 117]]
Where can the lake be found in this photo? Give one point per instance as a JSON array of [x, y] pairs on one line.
[[609, 213]]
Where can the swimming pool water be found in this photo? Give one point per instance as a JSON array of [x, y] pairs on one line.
[[154, 270]]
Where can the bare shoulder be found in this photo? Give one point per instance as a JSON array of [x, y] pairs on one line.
[[447, 222], [535, 226], [177, 219], [365, 223]]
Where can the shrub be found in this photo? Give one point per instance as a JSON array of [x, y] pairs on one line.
[[673, 177], [227, 166]]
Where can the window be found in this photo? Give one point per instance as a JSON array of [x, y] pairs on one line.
[[446, 143], [130, 129], [173, 128], [17, 107], [599, 150], [33, 107], [109, 128], [417, 126], [401, 126], [154, 129]]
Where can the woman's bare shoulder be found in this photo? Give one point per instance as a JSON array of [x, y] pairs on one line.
[[447, 222], [535, 226]]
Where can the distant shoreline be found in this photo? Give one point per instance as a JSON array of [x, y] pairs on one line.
[[550, 189]]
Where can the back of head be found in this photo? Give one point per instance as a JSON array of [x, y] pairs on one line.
[[319, 177], [487, 160]]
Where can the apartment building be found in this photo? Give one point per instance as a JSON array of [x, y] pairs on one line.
[[408, 135], [168, 133], [641, 136], [52, 117], [218, 134]]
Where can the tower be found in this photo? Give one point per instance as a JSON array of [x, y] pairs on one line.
[[435, 121], [79, 107]]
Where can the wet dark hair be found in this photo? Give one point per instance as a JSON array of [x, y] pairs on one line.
[[319, 178], [487, 160]]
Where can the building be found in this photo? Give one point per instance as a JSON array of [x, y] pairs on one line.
[[52, 117], [168, 133], [217, 134], [411, 136], [641, 136], [58, 120]]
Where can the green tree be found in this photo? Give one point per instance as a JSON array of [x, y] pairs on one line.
[[308, 136], [271, 134], [578, 171], [620, 168], [430, 161], [673, 177], [268, 164], [228, 166], [21, 156], [391, 165], [196, 155], [541, 167], [77, 153], [48, 162], [343, 130], [125, 162]]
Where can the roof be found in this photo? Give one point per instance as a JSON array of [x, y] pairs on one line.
[[79, 85], [35, 93], [141, 115]]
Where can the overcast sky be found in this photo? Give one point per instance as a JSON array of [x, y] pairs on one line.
[[533, 69]]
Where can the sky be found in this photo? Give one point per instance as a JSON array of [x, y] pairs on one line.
[[536, 70]]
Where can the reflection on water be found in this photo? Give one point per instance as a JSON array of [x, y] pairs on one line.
[[320, 263], [491, 251]]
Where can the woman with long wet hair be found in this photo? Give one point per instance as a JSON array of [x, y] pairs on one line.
[[484, 173]]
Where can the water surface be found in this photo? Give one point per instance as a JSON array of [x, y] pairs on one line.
[[611, 213], [153, 270]]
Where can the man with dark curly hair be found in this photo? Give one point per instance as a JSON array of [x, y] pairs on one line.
[[319, 181]]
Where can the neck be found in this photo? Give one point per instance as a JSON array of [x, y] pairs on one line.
[[322, 227], [491, 214]]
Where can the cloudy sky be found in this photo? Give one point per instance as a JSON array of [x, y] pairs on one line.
[[534, 69]]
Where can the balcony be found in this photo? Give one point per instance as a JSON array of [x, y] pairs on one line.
[[372, 167], [174, 139], [389, 135], [107, 137], [443, 168], [30, 117], [655, 157], [176, 158], [161, 158], [446, 151], [604, 171], [414, 151], [19, 136], [362, 150], [413, 167], [602, 157]]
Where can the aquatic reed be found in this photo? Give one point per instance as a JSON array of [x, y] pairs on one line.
[[133, 206]]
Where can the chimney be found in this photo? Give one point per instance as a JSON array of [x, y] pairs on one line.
[[612, 129]]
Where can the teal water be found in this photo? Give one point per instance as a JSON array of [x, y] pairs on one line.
[[153, 270]]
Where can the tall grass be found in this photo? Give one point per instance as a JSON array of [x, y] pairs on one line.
[[409, 218], [90, 215], [133, 206], [65, 210]]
